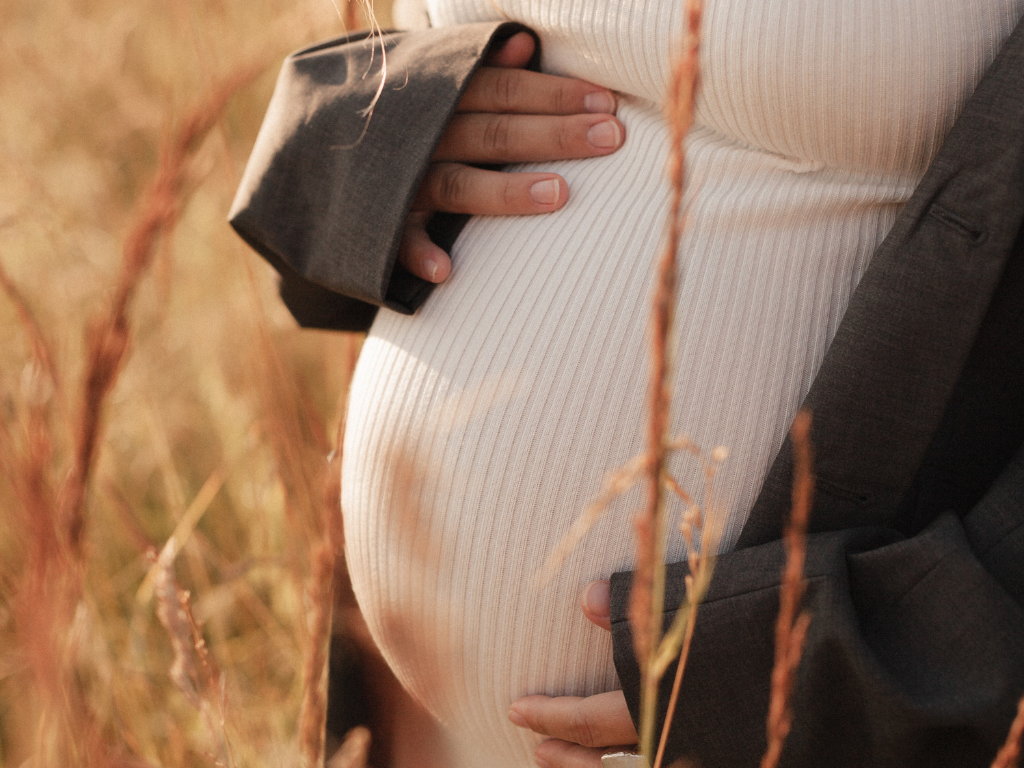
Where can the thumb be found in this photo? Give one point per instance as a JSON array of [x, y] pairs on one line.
[[514, 53], [596, 602]]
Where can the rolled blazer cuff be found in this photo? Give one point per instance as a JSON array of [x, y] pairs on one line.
[[346, 141]]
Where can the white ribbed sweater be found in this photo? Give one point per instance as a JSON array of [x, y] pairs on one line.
[[480, 427]]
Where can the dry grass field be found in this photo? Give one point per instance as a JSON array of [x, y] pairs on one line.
[[170, 571], [202, 416]]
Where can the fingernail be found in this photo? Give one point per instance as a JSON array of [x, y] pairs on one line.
[[516, 718], [599, 101], [430, 266], [597, 598], [604, 135], [545, 192]]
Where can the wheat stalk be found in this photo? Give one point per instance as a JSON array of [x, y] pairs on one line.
[[791, 626], [313, 714], [647, 594], [110, 332]]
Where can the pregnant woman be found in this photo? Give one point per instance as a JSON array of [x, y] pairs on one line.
[[480, 426]]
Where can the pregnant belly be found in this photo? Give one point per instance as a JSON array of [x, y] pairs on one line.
[[480, 427]]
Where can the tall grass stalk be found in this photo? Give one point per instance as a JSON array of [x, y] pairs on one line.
[[700, 561], [192, 670], [792, 623], [313, 714], [647, 595], [308, 464], [110, 333]]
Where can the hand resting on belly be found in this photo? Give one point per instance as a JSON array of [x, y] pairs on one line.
[[511, 115], [581, 730], [508, 115]]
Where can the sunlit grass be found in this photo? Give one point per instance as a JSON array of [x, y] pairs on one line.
[[223, 410]]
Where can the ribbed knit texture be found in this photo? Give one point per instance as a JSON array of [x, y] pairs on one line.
[[481, 427]]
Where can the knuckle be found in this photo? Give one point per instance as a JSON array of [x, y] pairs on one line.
[[497, 138], [565, 139], [451, 186], [510, 193], [581, 729], [562, 101], [506, 89]]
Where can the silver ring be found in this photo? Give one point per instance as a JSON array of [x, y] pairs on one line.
[[623, 760]]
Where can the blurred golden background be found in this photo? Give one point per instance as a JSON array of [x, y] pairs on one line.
[[201, 416]]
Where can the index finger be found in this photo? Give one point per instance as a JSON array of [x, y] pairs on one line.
[[496, 89], [595, 721]]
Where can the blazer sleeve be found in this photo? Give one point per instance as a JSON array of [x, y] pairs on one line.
[[914, 656], [345, 143]]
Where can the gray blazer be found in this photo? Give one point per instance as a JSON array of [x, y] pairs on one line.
[[915, 655]]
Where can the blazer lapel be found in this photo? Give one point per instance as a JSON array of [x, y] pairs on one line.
[[896, 358]]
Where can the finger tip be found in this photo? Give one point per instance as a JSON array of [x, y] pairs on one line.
[[606, 135], [600, 102], [525, 44], [515, 52], [563, 193], [549, 194], [524, 35], [596, 598], [436, 266]]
